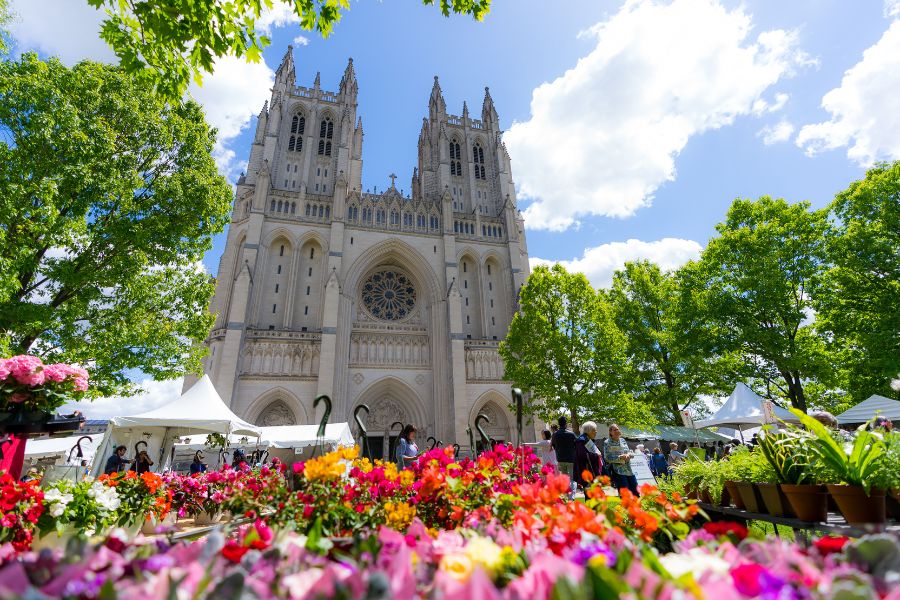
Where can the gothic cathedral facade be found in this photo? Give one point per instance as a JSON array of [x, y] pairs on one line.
[[392, 300]]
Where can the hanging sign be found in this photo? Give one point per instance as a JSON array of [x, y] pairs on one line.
[[768, 408]]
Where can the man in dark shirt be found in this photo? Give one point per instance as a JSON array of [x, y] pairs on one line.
[[563, 442], [117, 462]]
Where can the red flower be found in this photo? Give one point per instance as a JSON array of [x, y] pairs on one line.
[[746, 579], [234, 551], [830, 545], [722, 528]]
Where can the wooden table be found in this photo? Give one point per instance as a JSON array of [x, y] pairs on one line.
[[835, 523]]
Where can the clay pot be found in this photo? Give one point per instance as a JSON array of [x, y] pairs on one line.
[[810, 502], [856, 506], [705, 497], [732, 489], [725, 500], [775, 501], [204, 518], [893, 504], [691, 493], [750, 495]]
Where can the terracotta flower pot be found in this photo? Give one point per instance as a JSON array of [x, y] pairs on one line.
[[775, 501], [725, 500], [893, 504], [732, 489], [750, 495], [691, 493], [856, 506], [705, 497], [810, 502]]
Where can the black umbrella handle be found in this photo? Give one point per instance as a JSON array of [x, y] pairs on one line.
[[363, 431], [517, 399], [485, 440]]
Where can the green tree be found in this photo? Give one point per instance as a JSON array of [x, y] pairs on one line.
[[859, 299], [758, 275], [672, 366], [172, 41], [565, 350], [109, 197]]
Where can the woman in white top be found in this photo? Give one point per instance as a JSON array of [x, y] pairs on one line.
[[544, 450]]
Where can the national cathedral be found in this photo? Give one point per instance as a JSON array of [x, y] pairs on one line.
[[393, 300]]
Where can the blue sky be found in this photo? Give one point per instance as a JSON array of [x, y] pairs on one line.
[[631, 125]]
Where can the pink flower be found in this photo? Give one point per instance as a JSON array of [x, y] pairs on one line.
[[27, 369], [57, 372], [4, 369]]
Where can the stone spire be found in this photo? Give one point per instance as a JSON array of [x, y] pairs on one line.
[[488, 112], [465, 112], [261, 123], [349, 86], [286, 72], [318, 81], [436, 104]]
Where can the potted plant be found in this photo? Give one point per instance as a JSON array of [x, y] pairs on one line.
[[892, 483], [30, 393], [854, 471], [745, 468], [712, 484], [688, 475], [729, 476]]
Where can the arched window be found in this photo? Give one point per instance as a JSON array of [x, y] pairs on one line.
[[326, 133], [298, 125], [478, 158], [455, 158]]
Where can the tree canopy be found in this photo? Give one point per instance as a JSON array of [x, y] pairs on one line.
[[858, 301], [171, 42], [672, 367], [109, 197], [564, 348]]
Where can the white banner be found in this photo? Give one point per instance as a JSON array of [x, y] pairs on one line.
[[641, 469]]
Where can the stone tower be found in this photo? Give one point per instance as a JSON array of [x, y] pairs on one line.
[[394, 300]]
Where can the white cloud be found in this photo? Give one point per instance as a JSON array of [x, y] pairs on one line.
[[156, 394], [779, 132], [892, 8], [301, 40], [864, 114], [63, 28], [280, 15], [603, 137], [600, 262], [762, 105]]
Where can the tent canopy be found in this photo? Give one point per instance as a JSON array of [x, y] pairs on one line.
[[868, 408], [743, 410], [281, 436], [200, 407], [671, 433], [62, 446]]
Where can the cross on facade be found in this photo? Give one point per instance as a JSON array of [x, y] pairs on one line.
[[393, 177]]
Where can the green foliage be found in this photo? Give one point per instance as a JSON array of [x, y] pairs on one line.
[[758, 276], [109, 198], [170, 42], [671, 369], [789, 455], [5, 18], [858, 301], [688, 474], [564, 348], [747, 465], [857, 463]]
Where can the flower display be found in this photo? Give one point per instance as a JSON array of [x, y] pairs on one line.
[[27, 384], [21, 505]]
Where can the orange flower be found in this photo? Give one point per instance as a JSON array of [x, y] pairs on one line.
[[587, 476]]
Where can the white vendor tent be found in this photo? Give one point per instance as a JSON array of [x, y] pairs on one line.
[[61, 447], [743, 410], [869, 408], [287, 442], [200, 410]]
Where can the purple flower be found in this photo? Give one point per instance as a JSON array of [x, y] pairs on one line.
[[582, 555]]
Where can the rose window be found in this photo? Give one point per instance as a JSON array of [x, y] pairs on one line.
[[389, 295]]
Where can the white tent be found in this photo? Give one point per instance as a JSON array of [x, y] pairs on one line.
[[301, 436], [743, 410], [199, 410], [61, 447], [868, 408]]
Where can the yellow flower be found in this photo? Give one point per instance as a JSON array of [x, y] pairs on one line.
[[484, 552], [598, 560], [458, 566], [407, 478], [399, 515]]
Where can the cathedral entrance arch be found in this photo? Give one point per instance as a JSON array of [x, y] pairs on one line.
[[277, 407], [492, 405], [390, 400]]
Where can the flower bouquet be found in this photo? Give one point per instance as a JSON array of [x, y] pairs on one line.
[[143, 498], [81, 509], [31, 391]]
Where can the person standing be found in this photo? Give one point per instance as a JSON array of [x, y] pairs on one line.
[[197, 465], [117, 462], [587, 455], [143, 463], [544, 450], [675, 457], [564, 445], [617, 454], [658, 463], [407, 450]]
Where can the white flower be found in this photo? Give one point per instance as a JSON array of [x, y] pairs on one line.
[[57, 501], [107, 498], [696, 561], [57, 509]]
